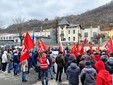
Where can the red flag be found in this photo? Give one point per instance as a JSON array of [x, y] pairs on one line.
[[75, 49], [28, 42], [109, 46], [44, 45], [82, 47], [24, 54], [60, 47], [91, 47], [98, 48], [27, 45], [41, 46], [72, 48]]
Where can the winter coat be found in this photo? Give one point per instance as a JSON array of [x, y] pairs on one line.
[[66, 58], [88, 75], [4, 57], [78, 59], [60, 61], [71, 58], [73, 74], [50, 61], [16, 58], [97, 57], [103, 77], [110, 65]]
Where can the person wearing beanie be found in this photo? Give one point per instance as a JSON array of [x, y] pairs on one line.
[[103, 77], [88, 74]]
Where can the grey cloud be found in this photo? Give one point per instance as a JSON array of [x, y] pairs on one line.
[[41, 9]]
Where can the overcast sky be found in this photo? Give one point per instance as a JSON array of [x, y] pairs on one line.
[[41, 9]]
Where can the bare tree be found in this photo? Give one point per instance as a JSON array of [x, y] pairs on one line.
[[20, 24], [56, 27]]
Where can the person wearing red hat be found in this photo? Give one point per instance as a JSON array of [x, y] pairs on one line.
[[103, 77]]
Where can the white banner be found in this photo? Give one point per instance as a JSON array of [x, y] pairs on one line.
[[55, 53]]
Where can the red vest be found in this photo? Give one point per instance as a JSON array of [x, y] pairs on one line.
[[43, 63]]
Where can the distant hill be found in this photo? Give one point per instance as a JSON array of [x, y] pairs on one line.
[[102, 16]]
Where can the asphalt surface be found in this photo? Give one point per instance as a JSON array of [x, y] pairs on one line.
[[9, 79]]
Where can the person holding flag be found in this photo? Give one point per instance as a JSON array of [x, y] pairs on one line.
[[27, 45]]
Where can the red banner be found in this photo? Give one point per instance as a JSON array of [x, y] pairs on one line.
[[27, 45]]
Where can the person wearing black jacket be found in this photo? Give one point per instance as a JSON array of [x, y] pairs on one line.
[[60, 64], [16, 61]]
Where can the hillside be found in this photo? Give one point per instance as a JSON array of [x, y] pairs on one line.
[[102, 16]]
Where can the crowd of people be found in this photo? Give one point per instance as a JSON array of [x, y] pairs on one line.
[[93, 68]]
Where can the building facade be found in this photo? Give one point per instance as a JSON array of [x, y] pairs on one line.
[[48, 34], [68, 32], [90, 33]]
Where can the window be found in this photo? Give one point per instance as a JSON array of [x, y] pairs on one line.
[[73, 31], [94, 34], [6, 38], [69, 38], [68, 31], [73, 38], [49, 36], [10, 38], [16, 40], [62, 32], [85, 34]]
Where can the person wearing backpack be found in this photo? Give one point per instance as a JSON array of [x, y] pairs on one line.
[[88, 74], [44, 62]]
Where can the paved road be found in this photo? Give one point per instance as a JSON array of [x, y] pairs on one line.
[[9, 79]]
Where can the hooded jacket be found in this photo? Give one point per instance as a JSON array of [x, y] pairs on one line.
[[110, 65], [97, 57], [4, 57], [73, 74], [88, 75], [103, 77], [66, 58]]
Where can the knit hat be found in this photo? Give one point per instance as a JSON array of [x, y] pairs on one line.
[[88, 63]]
